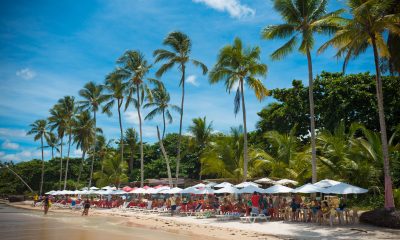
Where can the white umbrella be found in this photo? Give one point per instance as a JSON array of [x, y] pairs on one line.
[[200, 185], [326, 183], [308, 188], [224, 184], [286, 182], [118, 192], [265, 180], [228, 189], [251, 189], [191, 190], [104, 192], [85, 188], [138, 190], [278, 189], [246, 184], [344, 188], [51, 192], [171, 191], [94, 188], [108, 187], [211, 184], [206, 191]]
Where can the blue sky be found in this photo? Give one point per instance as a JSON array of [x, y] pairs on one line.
[[50, 49]]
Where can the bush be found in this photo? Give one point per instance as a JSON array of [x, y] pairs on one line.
[[396, 195], [382, 218]]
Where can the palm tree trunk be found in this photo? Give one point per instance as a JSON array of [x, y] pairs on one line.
[[389, 201], [163, 117], [165, 157], [131, 160], [52, 153], [61, 161], [141, 142], [81, 168], [178, 158], [66, 165], [121, 130], [312, 118], [245, 154], [41, 180], [94, 149]]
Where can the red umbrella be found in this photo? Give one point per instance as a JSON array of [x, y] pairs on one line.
[[127, 189], [158, 186], [146, 187]]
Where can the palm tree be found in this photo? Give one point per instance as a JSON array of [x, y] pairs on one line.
[[93, 95], [131, 139], [68, 111], [134, 68], [116, 89], [40, 130], [366, 28], [160, 105], [303, 17], [83, 136], [53, 143], [179, 56], [57, 121], [237, 65], [201, 132], [114, 171]]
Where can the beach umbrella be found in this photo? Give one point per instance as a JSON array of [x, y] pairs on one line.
[[104, 192], [326, 183], [286, 182], [344, 188], [118, 192], [104, 188], [51, 192], [251, 189], [138, 190], [223, 184], [159, 186], [206, 191], [146, 187], [93, 188], [278, 189], [308, 188], [246, 184], [191, 190], [227, 189], [174, 190], [211, 184], [84, 188], [265, 181], [200, 185], [127, 189]]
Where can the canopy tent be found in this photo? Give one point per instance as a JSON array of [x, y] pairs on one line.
[[344, 188], [223, 184], [174, 190], [228, 189], [265, 181], [191, 190], [308, 188], [286, 182], [246, 184], [200, 185], [326, 183], [278, 189], [251, 189]]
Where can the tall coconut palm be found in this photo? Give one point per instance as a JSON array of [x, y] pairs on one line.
[[131, 140], [93, 96], [179, 56], [68, 111], [237, 65], [160, 105], [116, 90], [40, 130], [134, 68], [53, 143], [201, 132], [83, 136], [57, 121], [302, 18], [366, 28]]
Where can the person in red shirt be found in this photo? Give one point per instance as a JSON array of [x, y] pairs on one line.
[[255, 199]]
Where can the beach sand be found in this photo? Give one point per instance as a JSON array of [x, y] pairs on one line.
[[233, 230]]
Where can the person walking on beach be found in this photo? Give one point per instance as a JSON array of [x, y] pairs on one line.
[[86, 206], [46, 203], [173, 204]]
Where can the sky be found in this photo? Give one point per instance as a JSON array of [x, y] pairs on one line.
[[50, 49]]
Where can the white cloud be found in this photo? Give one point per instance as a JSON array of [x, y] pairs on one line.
[[192, 80], [26, 73], [233, 7], [9, 132], [9, 145], [24, 155], [131, 117]]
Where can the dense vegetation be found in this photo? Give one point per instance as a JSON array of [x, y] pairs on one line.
[[344, 127]]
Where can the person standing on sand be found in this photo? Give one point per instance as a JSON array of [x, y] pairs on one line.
[[86, 206], [46, 203], [173, 204]]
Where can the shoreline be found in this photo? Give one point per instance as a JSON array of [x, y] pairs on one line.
[[233, 230]]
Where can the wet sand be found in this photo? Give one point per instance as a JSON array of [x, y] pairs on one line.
[[20, 224]]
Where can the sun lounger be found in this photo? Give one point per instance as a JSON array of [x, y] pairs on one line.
[[253, 218]]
